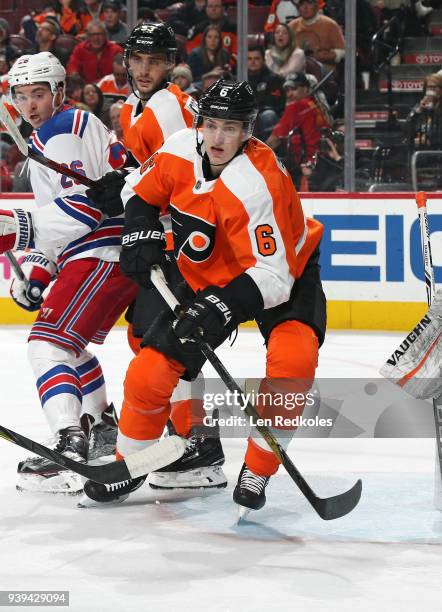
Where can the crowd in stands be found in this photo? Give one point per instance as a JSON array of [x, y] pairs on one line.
[[295, 66]]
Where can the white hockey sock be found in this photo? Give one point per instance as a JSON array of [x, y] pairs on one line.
[[58, 383], [93, 386]]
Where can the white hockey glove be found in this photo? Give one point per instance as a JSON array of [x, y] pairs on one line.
[[39, 270], [16, 230], [416, 364]]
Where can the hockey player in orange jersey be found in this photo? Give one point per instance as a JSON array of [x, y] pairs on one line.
[[157, 108], [244, 247], [154, 111]]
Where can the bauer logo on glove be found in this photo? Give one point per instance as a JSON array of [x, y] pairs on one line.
[[130, 240]]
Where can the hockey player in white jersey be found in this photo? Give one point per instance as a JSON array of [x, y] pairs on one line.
[[78, 247]]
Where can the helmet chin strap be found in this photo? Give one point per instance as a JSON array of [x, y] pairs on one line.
[[55, 109]]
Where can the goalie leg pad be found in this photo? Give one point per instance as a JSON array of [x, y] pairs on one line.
[[416, 364]]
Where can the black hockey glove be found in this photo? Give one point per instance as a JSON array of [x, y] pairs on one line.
[[217, 311], [106, 194], [209, 316], [143, 243]]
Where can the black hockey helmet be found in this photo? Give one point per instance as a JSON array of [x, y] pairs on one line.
[[151, 37], [229, 100]]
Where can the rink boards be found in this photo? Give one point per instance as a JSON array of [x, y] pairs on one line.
[[371, 262]]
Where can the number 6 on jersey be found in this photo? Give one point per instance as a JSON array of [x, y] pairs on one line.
[[265, 241]]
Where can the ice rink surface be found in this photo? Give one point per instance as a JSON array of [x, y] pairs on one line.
[[179, 551]]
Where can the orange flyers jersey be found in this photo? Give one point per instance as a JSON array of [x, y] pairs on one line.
[[167, 111], [249, 219], [108, 85]]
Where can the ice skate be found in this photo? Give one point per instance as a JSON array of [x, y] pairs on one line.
[[103, 437], [249, 492], [199, 467], [37, 474]]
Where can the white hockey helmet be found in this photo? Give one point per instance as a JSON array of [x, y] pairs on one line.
[[42, 67]]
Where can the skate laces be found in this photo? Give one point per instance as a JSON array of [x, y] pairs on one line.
[[191, 445], [115, 486], [253, 482]]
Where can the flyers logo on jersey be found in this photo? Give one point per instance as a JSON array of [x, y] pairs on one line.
[[192, 236], [148, 164]]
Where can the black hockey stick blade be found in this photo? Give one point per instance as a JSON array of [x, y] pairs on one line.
[[328, 508], [139, 464]]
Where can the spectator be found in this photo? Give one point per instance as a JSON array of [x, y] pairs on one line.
[[29, 23], [266, 84], [318, 34], [210, 77], [93, 97], [210, 55], [147, 14], [283, 57], [6, 48], [92, 59], [116, 29], [188, 16], [328, 167], [424, 123], [74, 91], [301, 125], [281, 11], [73, 16], [114, 117], [93, 11], [116, 84], [182, 76], [47, 32], [215, 16]]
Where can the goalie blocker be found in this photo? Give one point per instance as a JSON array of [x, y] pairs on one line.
[[416, 364]]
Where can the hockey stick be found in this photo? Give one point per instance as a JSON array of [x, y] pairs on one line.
[[139, 464], [421, 201], [21, 143], [328, 508], [17, 268]]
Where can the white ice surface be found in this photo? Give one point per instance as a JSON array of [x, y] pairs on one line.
[[184, 552]]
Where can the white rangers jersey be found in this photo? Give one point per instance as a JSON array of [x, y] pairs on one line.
[[67, 225]]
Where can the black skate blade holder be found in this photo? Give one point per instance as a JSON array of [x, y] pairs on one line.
[[328, 508]]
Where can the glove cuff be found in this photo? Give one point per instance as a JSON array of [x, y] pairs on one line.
[[137, 208], [25, 229], [244, 297]]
